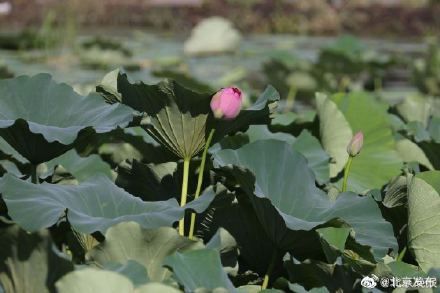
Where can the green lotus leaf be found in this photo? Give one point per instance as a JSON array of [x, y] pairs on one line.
[[411, 152], [305, 143], [318, 160], [28, 262], [41, 119], [94, 280], [94, 205], [181, 119], [283, 193], [129, 241], [340, 117], [133, 270], [90, 280], [424, 219], [81, 168], [415, 108], [335, 133], [333, 241], [199, 269]]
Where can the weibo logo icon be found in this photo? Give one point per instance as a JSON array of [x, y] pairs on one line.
[[369, 282]]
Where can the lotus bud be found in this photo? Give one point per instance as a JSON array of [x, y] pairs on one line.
[[226, 103], [355, 145]]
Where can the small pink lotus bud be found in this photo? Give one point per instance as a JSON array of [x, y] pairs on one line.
[[356, 143], [226, 103]]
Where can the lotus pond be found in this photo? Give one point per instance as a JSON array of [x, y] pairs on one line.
[[119, 175]]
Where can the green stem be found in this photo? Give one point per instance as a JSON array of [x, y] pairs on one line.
[[200, 181], [269, 270], [184, 193], [401, 254], [290, 100], [346, 172], [34, 175]]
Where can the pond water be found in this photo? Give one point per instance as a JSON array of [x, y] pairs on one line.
[[151, 49]]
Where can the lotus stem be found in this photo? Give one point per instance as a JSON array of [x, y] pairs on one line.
[[269, 270], [290, 100], [34, 175], [184, 193], [401, 254], [346, 172], [200, 181]]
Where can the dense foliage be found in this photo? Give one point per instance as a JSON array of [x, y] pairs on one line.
[[91, 185]]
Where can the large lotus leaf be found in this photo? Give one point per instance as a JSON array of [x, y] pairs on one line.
[[41, 118], [335, 133], [411, 152], [306, 144], [199, 269], [82, 168], [90, 280], [345, 114], [424, 219], [129, 241], [333, 241], [133, 270], [415, 108], [94, 205], [28, 262], [283, 193], [181, 119]]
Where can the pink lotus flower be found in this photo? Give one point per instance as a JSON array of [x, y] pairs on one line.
[[356, 143], [226, 103]]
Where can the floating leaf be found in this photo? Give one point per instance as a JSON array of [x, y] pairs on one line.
[[41, 119], [94, 205]]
